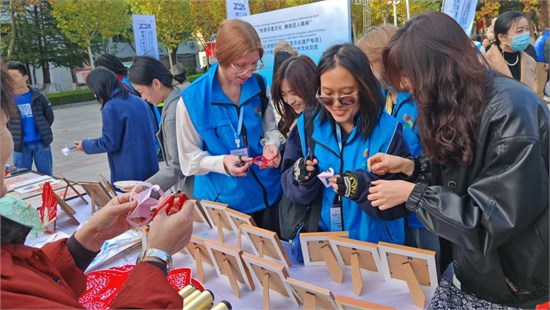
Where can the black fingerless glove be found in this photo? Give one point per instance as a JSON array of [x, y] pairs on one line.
[[349, 185], [300, 171]]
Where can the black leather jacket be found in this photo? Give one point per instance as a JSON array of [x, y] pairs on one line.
[[495, 210]]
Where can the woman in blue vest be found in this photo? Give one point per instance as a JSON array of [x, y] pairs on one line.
[[224, 121], [350, 126], [400, 105], [128, 133]]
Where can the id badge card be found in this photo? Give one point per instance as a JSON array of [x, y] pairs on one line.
[[240, 152], [336, 217]]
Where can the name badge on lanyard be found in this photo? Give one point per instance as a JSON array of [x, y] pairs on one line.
[[336, 217]]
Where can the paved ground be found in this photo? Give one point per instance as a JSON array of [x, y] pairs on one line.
[[76, 122]]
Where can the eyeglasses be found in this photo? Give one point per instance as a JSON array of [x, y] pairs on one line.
[[344, 100], [243, 70]]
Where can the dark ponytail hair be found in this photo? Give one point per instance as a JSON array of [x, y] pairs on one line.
[[145, 69], [103, 83], [112, 63]]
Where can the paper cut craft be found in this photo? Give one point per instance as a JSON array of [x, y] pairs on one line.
[[198, 251], [216, 215], [266, 243], [313, 297], [237, 219], [414, 266], [325, 175], [271, 276], [358, 255], [348, 303], [48, 209], [317, 251], [228, 262]]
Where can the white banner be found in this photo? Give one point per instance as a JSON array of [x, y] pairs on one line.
[[237, 8], [310, 28], [463, 11], [145, 35]]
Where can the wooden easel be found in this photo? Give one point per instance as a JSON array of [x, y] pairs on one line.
[[336, 272], [198, 263], [96, 190], [418, 296], [66, 208], [228, 270]]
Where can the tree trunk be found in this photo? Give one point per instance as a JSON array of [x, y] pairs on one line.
[[170, 51], [46, 77], [90, 55], [12, 26]]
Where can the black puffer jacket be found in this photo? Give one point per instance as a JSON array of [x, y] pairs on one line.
[[43, 117], [495, 211]]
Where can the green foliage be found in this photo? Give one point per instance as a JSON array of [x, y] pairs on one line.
[[193, 77], [191, 70], [70, 97]]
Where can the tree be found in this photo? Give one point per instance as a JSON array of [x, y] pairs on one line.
[[173, 24], [83, 21], [35, 39], [206, 17]]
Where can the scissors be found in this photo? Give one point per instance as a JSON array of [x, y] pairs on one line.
[[261, 160]]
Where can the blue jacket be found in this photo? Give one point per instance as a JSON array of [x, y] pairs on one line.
[[361, 219], [540, 47], [128, 138], [215, 118], [406, 112]]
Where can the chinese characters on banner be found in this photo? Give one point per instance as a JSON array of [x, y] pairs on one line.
[[145, 35], [462, 11], [237, 8]]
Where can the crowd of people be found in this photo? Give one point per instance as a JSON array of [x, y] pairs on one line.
[[422, 138]]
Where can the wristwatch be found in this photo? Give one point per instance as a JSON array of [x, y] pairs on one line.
[[160, 254]]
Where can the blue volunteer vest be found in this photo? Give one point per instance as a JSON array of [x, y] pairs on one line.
[[353, 156], [215, 118]]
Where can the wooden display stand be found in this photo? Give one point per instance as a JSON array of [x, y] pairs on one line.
[[66, 208], [98, 192], [414, 266], [358, 255], [198, 251], [216, 215], [266, 243], [348, 303], [72, 185], [108, 186], [271, 276], [228, 262], [237, 219], [313, 297], [199, 215], [317, 251]]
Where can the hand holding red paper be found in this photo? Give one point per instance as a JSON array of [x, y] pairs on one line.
[[145, 203]]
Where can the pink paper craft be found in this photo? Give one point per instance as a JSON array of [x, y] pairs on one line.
[[325, 175], [141, 215]]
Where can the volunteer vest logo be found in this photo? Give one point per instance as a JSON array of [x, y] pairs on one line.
[[365, 157], [408, 121], [258, 111]]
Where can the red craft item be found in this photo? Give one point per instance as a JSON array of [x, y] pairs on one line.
[[181, 200], [261, 160], [48, 209], [167, 203], [104, 285]]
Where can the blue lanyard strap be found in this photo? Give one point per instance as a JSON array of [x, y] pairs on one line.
[[339, 137], [237, 133]]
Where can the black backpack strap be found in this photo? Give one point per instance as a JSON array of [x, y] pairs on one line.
[[263, 96]]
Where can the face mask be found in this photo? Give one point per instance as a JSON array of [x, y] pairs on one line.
[[520, 42]]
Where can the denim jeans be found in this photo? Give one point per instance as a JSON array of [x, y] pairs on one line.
[[42, 156]]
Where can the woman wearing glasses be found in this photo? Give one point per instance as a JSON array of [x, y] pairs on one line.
[[224, 121], [350, 126]]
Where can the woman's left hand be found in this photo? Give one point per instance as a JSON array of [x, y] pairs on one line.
[[386, 194], [272, 153]]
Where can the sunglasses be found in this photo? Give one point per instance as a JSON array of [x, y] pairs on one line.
[[344, 100]]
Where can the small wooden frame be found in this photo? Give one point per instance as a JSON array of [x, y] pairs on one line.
[[24, 179], [72, 185], [317, 251], [66, 208], [108, 186], [271, 276], [358, 255], [199, 214], [198, 251], [237, 219], [414, 266], [313, 297], [100, 196], [266, 243], [348, 303], [215, 212], [228, 262]]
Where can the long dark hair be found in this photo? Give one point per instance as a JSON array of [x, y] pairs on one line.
[[112, 63], [145, 69], [6, 93], [448, 79], [351, 58], [103, 83], [299, 72]]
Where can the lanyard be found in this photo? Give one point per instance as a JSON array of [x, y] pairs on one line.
[[339, 137], [237, 133]]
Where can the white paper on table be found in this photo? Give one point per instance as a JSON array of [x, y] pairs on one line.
[[111, 249], [325, 175]]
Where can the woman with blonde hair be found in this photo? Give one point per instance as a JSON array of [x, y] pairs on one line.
[[227, 134]]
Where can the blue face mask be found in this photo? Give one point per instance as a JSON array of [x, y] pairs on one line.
[[520, 42]]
